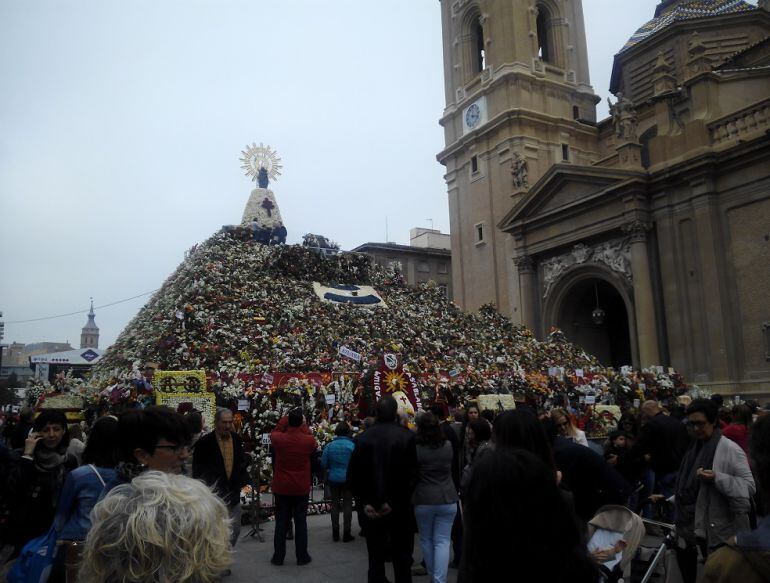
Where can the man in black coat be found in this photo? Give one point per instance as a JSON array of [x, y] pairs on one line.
[[219, 461], [382, 474], [662, 443], [592, 481]]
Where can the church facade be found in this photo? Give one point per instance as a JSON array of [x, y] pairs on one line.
[[644, 236]]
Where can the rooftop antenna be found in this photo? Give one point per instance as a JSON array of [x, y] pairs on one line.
[[431, 224]]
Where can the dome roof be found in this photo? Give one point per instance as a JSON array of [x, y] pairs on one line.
[[671, 11]]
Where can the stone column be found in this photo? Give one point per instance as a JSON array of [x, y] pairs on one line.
[[526, 267], [644, 304]]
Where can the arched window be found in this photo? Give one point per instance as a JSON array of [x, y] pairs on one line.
[[544, 37], [479, 53]]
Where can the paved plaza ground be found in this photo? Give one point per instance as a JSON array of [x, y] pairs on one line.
[[338, 562]]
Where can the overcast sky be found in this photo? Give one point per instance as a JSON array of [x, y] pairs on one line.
[[122, 123]]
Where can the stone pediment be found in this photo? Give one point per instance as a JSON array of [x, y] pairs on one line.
[[565, 187]]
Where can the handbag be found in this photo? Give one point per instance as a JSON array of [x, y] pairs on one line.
[[35, 561]]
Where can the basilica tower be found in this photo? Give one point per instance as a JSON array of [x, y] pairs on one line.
[[518, 100], [89, 335]]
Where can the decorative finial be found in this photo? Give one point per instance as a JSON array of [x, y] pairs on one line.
[[91, 313], [261, 163]]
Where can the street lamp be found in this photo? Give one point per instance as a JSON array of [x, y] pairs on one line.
[[598, 315]]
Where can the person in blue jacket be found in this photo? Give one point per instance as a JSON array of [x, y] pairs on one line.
[[335, 459], [80, 493]]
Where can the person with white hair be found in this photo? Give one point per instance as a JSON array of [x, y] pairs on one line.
[[160, 527]]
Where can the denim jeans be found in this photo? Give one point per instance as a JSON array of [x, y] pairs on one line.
[[435, 524]]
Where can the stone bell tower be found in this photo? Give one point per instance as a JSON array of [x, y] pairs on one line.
[[518, 100], [89, 335]]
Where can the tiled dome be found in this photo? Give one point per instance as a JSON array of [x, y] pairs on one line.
[[672, 11]]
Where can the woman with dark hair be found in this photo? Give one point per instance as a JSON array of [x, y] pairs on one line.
[[520, 428], [37, 477], [81, 490], [518, 525], [335, 459], [472, 413], [479, 436], [713, 490], [746, 558], [435, 496], [629, 424]]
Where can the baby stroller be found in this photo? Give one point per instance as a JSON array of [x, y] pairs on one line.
[[616, 533], [655, 560]]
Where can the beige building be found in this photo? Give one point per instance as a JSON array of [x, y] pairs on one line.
[[426, 258], [644, 236]]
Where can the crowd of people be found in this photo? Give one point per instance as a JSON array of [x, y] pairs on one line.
[[491, 494]]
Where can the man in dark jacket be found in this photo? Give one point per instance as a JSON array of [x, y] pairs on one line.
[[219, 461], [662, 443], [382, 475], [592, 481], [293, 446]]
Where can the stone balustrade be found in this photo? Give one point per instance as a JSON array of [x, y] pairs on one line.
[[741, 123]]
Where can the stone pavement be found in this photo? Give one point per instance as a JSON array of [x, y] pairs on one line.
[[333, 562]]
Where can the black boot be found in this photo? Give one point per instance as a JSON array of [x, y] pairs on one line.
[[336, 534], [347, 537]]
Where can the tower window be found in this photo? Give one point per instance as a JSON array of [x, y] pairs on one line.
[[544, 49], [474, 164], [480, 233], [575, 112], [479, 53], [565, 152]]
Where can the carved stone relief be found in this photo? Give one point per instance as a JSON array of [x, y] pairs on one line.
[[614, 254]]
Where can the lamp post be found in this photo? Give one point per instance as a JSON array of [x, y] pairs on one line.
[[598, 315]]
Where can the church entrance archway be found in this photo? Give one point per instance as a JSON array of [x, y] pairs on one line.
[[607, 338]]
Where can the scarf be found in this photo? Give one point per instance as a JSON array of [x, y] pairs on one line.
[[127, 471], [700, 455], [48, 460]]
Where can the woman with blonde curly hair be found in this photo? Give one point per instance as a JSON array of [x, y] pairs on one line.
[[159, 528]]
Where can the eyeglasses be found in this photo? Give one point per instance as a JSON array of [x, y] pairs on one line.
[[173, 448]]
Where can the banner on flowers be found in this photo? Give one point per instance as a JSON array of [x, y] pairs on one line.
[[496, 402], [181, 402], [180, 381], [391, 378], [357, 295]]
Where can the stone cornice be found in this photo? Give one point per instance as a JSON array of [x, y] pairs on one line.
[[525, 115]]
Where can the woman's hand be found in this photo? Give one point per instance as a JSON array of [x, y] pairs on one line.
[[30, 443]]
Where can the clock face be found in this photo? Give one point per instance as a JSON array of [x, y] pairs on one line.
[[472, 116]]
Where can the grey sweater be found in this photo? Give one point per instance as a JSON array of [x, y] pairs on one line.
[[434, 484]]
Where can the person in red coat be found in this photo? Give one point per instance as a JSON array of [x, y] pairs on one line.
[[293, 446], [740, 428]]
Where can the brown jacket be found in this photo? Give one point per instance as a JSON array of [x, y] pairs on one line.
[[730, 564]]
